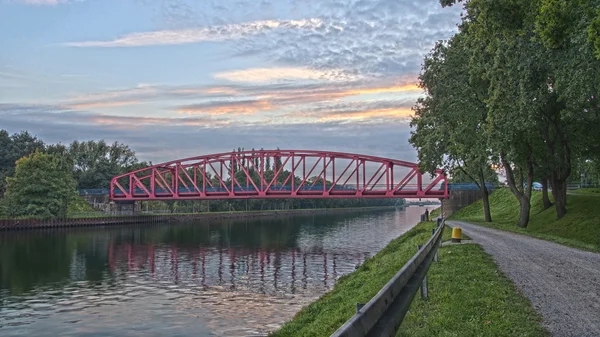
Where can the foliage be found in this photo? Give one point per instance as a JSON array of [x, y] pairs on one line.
[[460, 176], [450, 120], [528, 67], [95, 162], [446, 124], [577, 229], [79, 205], [42, 186], [12, 148]]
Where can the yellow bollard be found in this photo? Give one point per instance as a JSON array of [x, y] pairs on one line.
[[456, 234]]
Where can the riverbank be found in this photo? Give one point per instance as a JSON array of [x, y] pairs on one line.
[[23, 224], [579, 228], [452, 309]]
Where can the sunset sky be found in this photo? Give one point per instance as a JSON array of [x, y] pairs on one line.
[[178, 78]]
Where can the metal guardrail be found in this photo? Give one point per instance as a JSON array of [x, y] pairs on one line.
[[384, 313]]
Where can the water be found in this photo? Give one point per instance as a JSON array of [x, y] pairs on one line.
[[220, 278]]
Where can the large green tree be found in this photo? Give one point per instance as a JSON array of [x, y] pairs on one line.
[[449, 121], [42, 186], [96, 162], [543, 88], [13, 147]]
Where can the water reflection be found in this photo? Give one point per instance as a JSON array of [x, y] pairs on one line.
[[228, 278]]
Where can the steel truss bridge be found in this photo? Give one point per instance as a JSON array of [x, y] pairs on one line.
[[292, 174]]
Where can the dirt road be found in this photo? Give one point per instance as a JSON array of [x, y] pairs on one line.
[[562, 283]]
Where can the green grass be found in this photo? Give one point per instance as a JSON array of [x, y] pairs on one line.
[[592, 191], [580, 228], [435, 213], [469, 296], [328, 313]]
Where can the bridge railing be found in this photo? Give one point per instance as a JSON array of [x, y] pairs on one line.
[[384, 313]]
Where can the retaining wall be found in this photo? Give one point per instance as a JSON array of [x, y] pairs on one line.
[[21, 224]]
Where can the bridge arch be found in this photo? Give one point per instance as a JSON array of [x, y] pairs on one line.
[[279, 174]]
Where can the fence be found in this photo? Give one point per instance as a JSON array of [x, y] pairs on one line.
[[384, 313]]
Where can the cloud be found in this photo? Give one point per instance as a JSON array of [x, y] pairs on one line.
[[226, 108], [283, 74], [397, 111], [43, 2], [370, 38], [100, 104], [163, 139], [216, 33], [278, 94], [53, 115]]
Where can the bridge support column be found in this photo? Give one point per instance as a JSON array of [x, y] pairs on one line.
[[126, 208]]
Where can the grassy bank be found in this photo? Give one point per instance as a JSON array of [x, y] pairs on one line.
[[580, 228], [495, 297], [469, 296], [590, 191]]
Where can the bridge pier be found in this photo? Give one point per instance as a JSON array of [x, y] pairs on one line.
[[125, 207], [459, 199]]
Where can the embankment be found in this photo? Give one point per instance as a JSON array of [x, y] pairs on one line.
[[468, 296], [22, 224], [580, 228]]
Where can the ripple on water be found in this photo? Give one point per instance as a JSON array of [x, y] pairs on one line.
[[246, 280]]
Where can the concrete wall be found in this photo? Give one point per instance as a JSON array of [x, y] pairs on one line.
[[458, 200]]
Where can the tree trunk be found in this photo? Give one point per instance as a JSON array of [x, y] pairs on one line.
[[485, 197], [523, 197], [559, 192], [545, 199], [525, 208]]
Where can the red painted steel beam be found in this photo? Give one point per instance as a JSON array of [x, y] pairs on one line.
[[219, 176]]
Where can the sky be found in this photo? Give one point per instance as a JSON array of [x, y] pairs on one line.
[[180, 78]]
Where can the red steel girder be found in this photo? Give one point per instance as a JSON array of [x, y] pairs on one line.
[[240, 175]]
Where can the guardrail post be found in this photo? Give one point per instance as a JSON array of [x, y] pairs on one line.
[[424, 288], [359, 306], [424, 284]]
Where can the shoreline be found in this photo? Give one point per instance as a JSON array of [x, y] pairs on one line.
[[29, 224]]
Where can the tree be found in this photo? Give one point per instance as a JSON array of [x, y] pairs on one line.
[[42, 186], [538, 56], [450, 120], [95, 162], [12, 148]]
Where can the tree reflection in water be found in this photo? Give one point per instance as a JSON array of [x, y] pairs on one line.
[[230, 277]]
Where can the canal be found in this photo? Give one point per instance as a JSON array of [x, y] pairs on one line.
[[218, 278]]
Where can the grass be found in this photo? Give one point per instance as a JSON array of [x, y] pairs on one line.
[[592, 191], [328, 313], [580, 228], [469, 296], [435, 213]]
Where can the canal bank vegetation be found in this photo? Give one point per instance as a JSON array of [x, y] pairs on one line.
[[516, 93], [452, 309], [579, 228]]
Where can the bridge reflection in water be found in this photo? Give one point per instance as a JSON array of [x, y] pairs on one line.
[[193, 279]]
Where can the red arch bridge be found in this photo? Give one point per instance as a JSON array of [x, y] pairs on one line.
[[279, 174]]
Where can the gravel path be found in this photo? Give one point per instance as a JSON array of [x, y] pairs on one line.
[[562, 283]]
